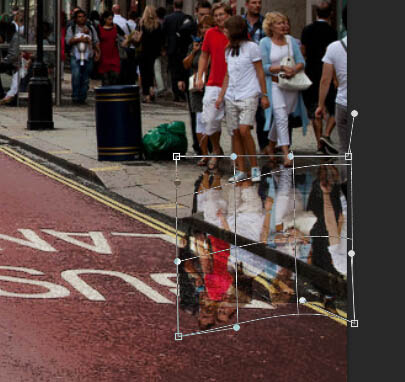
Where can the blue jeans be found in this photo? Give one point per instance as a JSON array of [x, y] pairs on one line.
[[80, 78]]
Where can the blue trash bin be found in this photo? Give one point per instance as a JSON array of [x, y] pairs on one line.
[[118, 123]]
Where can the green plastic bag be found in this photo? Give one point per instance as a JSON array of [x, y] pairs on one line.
[[164, 140]]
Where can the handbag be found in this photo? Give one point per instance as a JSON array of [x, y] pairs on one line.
[[300, 81], [191, 82]]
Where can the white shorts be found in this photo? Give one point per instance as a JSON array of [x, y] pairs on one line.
[[200, 128], [241, 112], [211, 116]]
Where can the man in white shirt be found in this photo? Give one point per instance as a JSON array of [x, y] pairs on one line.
[[128, 74], [335, 61], [119, 20]]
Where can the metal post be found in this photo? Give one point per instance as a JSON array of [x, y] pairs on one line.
[[58, 85], [40, 114]]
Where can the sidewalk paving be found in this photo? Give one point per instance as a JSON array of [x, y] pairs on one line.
[[145, 182]]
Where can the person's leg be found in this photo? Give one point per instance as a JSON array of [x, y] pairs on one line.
[[317, 125], [173, 77], [114, 78], [202, 138], [3, 69], [344, 136], [262, 138], [124, 70], [105, 79], [248, 111], [14, 85], [160, 86], [281, 123], [2, 93], [193, 120], [330, 125], [329, 145], [248, 144], [85, 79], [75, 69], [131, 65], [212, 117], [215, 139], [144, 78], [238, 148]]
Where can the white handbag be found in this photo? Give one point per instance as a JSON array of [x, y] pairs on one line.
[[300, 81], [192, 81]]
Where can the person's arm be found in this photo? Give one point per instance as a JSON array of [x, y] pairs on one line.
[[268, 205], [97, 52], [224, 222], [268, 68], [304, 51], [202, 68], [327, 75], [70, 39], [96, 44], [262, 82], [298, 58], [221, 95], [188, 61], [265, 52]]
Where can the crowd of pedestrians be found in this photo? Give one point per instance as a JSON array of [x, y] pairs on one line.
[[226, 67]]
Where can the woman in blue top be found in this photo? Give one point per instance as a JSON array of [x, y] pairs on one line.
[[283, 102]]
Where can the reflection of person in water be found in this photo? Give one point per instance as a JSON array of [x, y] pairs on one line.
[[215, 284], [324, 201]]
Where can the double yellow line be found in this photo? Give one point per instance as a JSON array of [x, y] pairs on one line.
[[139, 216]]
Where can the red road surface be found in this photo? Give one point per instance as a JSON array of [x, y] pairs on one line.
[[128, 336]]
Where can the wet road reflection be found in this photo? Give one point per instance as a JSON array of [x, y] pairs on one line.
[[300, 213]]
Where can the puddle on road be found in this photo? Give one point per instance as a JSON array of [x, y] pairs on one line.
[[291, 242]]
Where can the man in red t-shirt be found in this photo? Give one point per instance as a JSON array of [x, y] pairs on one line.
[[213, 48]]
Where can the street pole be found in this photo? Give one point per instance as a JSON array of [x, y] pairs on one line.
[[58, 84], [40, 114]]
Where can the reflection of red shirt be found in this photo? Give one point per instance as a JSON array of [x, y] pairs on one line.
[[110, 58], [215, 43], [219, 280]]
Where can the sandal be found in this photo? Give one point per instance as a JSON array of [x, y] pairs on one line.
[[213, 164], [202, 162]]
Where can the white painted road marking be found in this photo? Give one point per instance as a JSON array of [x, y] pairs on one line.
[[73, 278], [100, 244], [32, 241], [54, 291]]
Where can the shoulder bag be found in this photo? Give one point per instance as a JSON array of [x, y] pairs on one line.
[[300, 81]]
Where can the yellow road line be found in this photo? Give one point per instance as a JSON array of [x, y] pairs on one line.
[[322, 310], [61, 152], [111, 168], [151, 222], [165, 206]]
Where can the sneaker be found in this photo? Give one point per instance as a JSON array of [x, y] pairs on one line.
[[320, 152], [239, 175], [329, 144], [256, 174]]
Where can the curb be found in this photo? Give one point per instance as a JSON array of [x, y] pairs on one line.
[[80, 171]]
